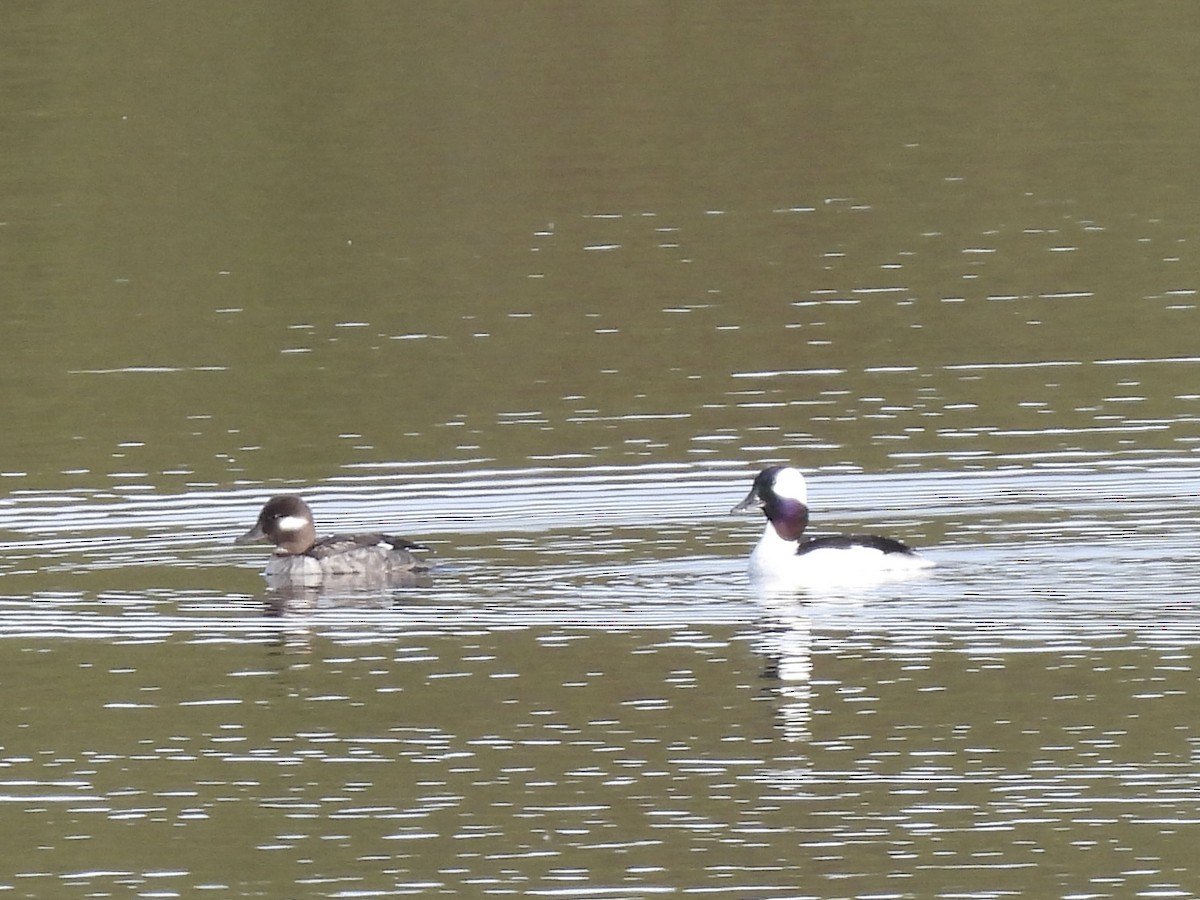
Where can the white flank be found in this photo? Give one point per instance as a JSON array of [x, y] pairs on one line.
[[775, 562]]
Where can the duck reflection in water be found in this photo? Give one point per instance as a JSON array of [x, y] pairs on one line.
[[336, 593], [304, 567], [785, 643]]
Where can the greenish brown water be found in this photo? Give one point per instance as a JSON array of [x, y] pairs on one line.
[[543, 286]]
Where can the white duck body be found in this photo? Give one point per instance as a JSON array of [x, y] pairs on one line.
[[782, 557]]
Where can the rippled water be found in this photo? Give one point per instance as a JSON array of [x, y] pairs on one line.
[[573, 709], [543, 289]]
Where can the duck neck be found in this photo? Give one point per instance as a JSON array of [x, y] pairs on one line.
[[788, 518]]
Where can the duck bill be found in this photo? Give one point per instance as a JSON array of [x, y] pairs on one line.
[[254, 535], [751, 503]]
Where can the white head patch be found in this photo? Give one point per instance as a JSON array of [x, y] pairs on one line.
[[789, 485], [291, 523]]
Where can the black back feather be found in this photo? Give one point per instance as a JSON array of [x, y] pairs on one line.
[[847, 541]]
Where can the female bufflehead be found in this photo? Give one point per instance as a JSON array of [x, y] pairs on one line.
[[780, 555], [287, 522]]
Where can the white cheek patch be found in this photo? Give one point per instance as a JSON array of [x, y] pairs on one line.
[[789, 484], [291, 523]]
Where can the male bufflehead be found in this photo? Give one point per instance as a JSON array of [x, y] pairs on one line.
[[287, 522], [781, 556]]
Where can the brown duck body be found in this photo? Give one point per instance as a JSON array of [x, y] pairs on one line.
[[287, 522]]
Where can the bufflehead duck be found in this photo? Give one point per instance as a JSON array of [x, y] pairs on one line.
[[287, 522], [781, 555]]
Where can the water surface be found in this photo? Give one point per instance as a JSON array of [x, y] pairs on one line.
[[544, 289]]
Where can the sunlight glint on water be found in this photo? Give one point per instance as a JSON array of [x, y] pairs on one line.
[[545, 291]]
